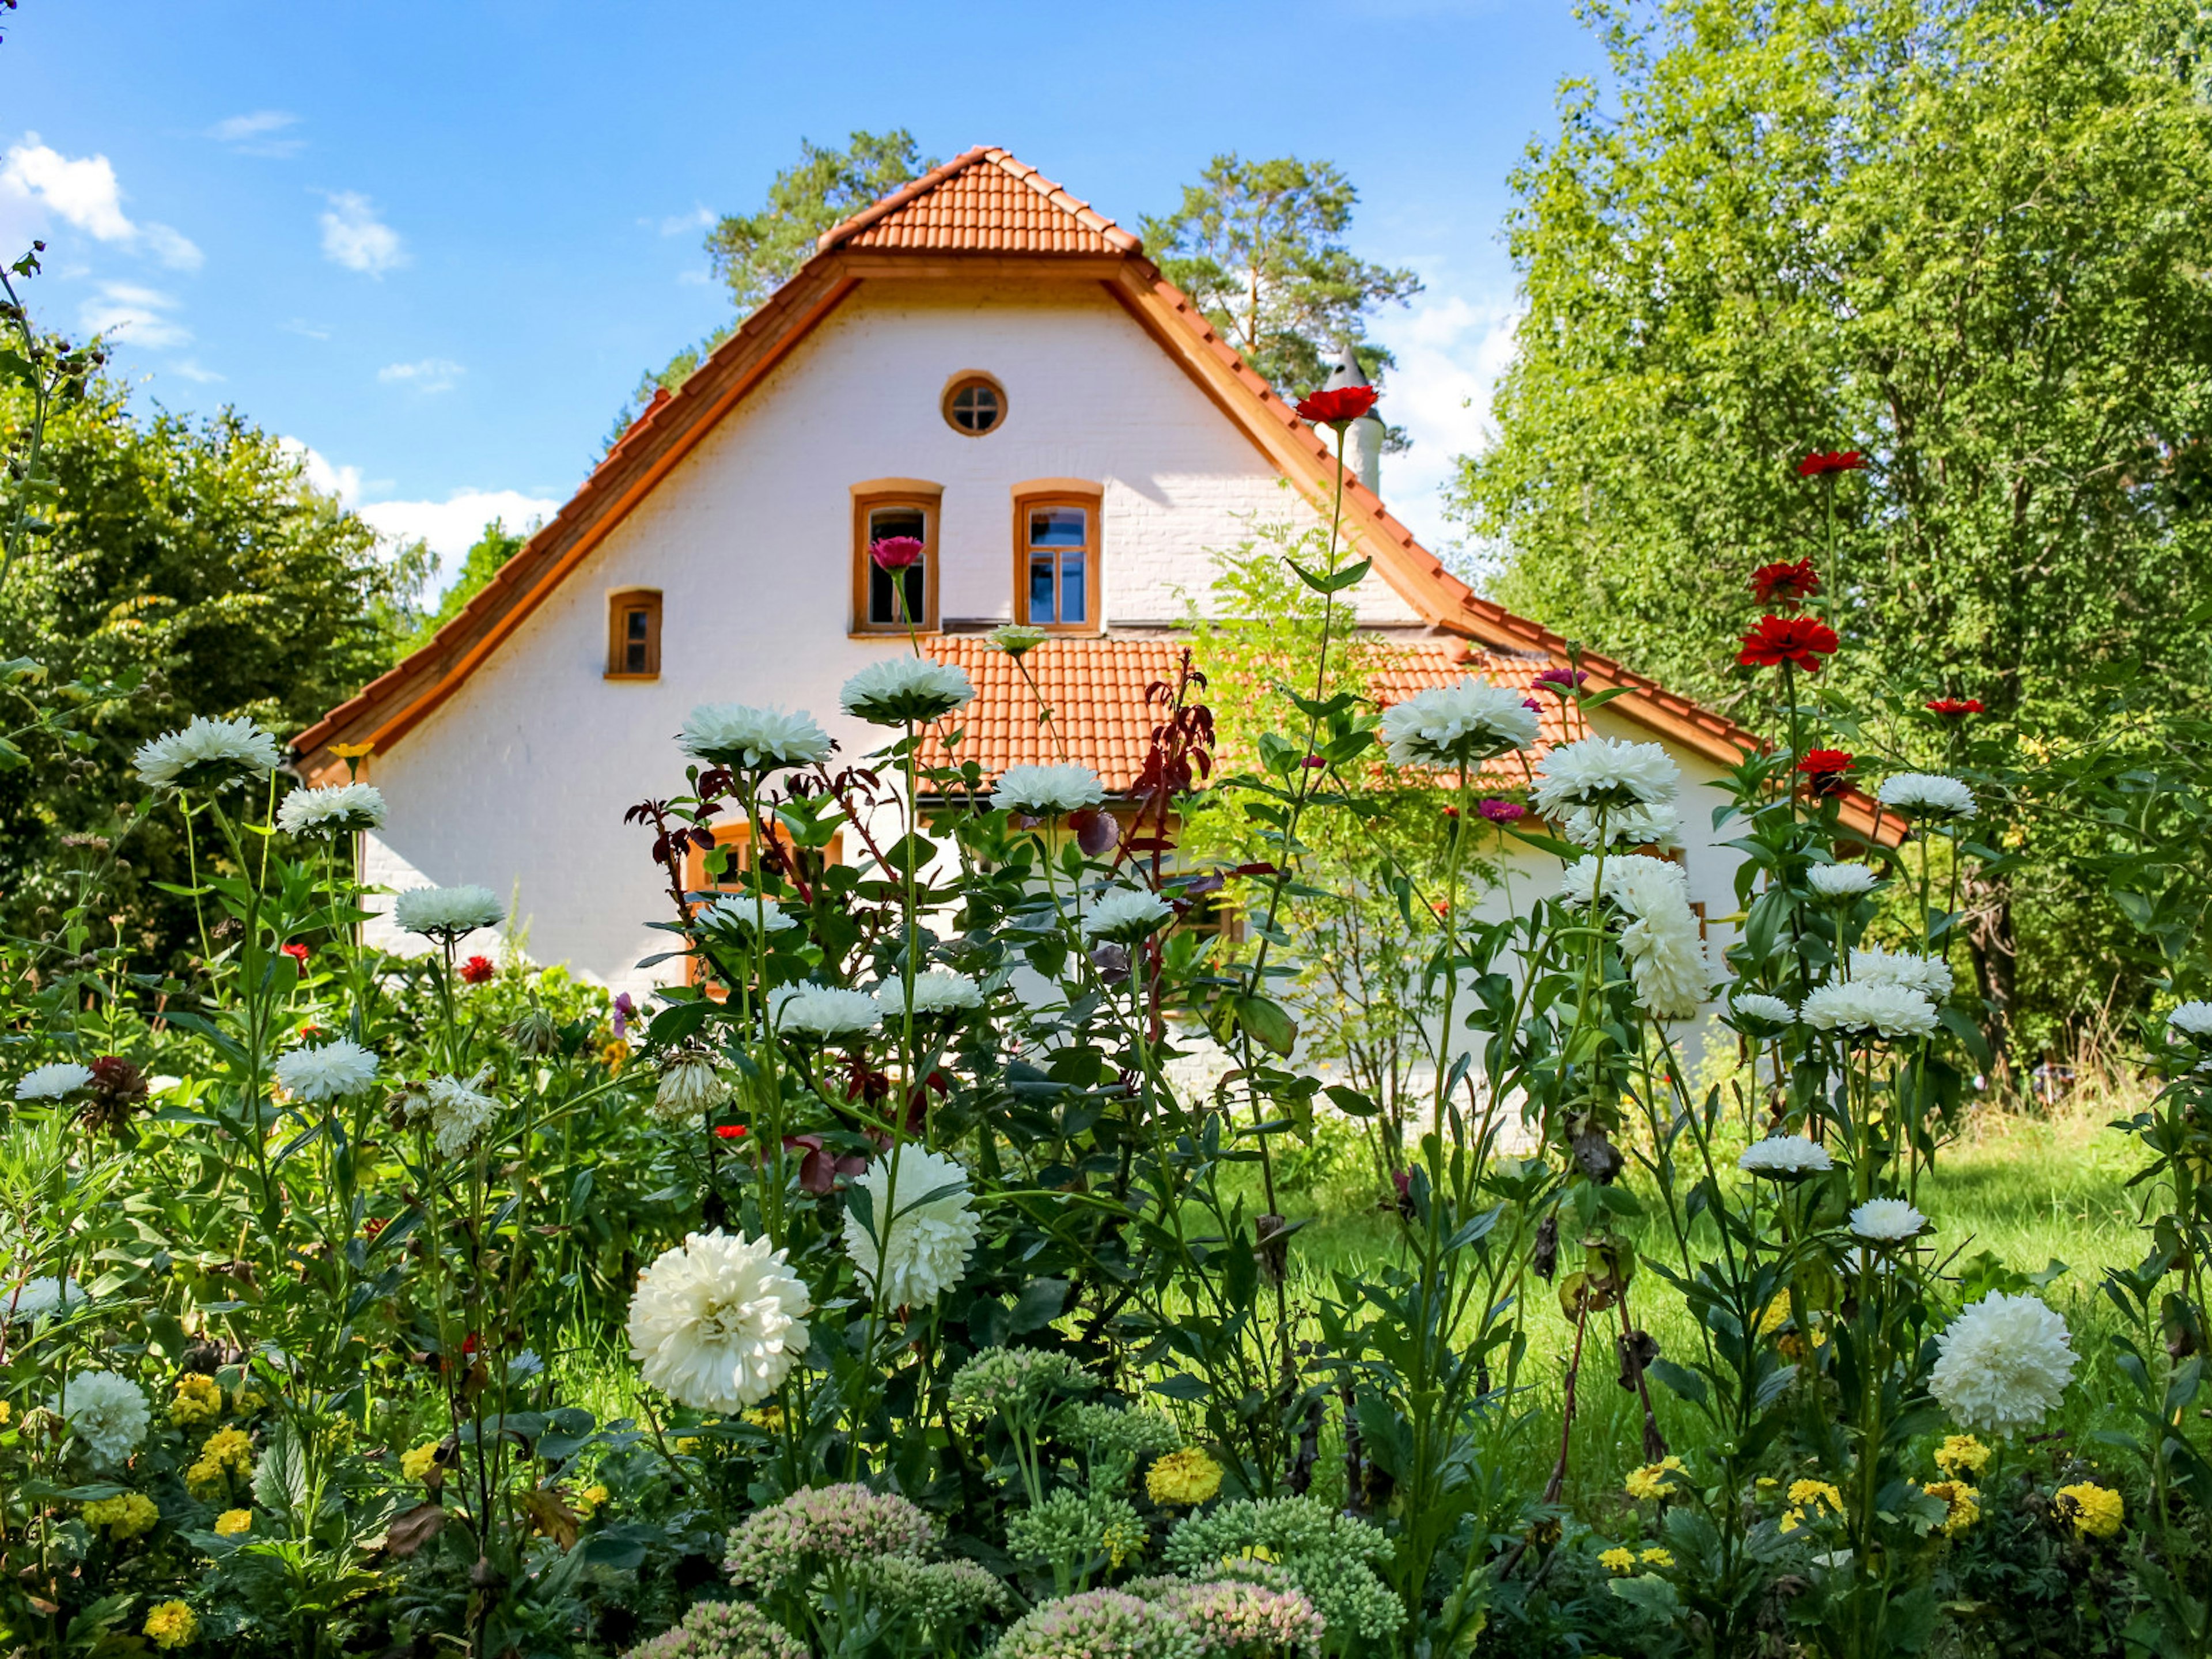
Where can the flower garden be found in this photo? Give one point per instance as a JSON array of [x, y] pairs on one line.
[[854, 1296]]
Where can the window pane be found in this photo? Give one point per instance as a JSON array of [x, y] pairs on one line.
[[635, 622], [883, 590], [1058, 526], [1041, 609], [1072, 594], [634, 657], [897, 521]]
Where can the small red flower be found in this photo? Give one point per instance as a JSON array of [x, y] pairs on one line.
[[1502, 812], [1819, 463], [1827, 771], [1784, 584], [1338, 408], [479, 970], [1451, 812], [1801, 641], [1567, 679], [895, 552], [1313, 762], [729, 1131], [1956, 708], [297, 951]]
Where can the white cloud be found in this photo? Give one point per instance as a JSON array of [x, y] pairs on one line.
[[1451, 351], [190, 370], [259, 133], [693, 278], [139, 315], [84, 193], [353, 236], [675, 224], [431, 374], [448, 526], [301, 325], [343, 482]]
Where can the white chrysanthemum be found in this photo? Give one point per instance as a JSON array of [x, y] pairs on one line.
[[53, 1080], [458, 1113], [2190, 1019], [689, 1089], [1626, 826], [39, 1297], [1457, 724], [1779, 1155], [1930, 975], [822, 1011], [332, 810], [1047, 791], [747, 739], [1841, 880], [447, 912], [2003, 1365], [1926, 795], [939, 991], [717, 1322], [1016, 640], [1126, 914], [1758, 1007], [893, 690], [1887, 1221], [1868, 1010], [738, 913], [1666, 960], [208, 754], [108, 1414], [330, 1072], [917, 1248], [1608, 772]]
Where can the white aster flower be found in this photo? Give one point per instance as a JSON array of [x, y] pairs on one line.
[[108, 1414], [1666, 960], [822, 1011], [2003, 1365], [1126, 914], [1868, 1010], [1016, 640], [1757, 1008], [689, 1089], [1887, 1221], [1625, 826], [1926, 795], [740, 913], [929, 1239], [447, 912], [333, 809], [893, 690], [458, 1113], [1607, 772], [53, 1080], [208, 754], [1457, 724], [1047, 791], [37, 1297], [1786, 1155], [1841, 880], [2192, 1020], [939, 991], [747, 739], [330, 1072], [1930, 975], [717, 1322]]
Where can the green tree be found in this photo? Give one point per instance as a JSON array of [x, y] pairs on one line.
[[1967, 239], [1259, 246], [479, 565]]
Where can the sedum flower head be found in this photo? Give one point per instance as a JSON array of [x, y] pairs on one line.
[[2003, 1365], [1868, 1011], [747, 739], [1001, 1379], [1666, 960], [1232, 1618], [334, 810], [1605, 772], [946, 1596], [939, 991], [1930, 975], [447, 912], [1841, 880], [171, 1625], [2094, 1511], [893, 690], [1928, 795], [822, 1011], [52, 1080], [1786, 1155], [1295, 1543], [208, 755], [1101, 1623], [1071, 1530], [1126, 913], [689, 1088], [1457, 724], [1887, 1221], [331, 1071], [1047, 791], [722, 1630], [1116, 1430], [1187, 1477], [919, 1235], [717, 1322], [107, 1413], [784, 1545]]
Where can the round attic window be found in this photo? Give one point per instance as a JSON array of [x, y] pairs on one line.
[[974, 404]]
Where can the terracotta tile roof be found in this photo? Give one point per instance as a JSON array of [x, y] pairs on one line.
[[983, 202], [1096, 689]]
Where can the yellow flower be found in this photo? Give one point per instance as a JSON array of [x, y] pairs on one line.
[[351, 750], [204, 1479], [1961, 1454], [1250, 1552], [125, 1516], [171, 1625], [1618, 1560], [6, 1413], [231, 1523], [2096, 1511], [1961, 1502], [1122, 1541], [1766, 1483], [1792, 1520], [198, 1398], [615, 1054], [417, 1464], [246, 1402], [767, 1418], [1656, 1557], [230, 1448], [1654, 1480], [1188, 1476], [1805, 1493], [590, 1498], [686, 1446], [1776, 1316]]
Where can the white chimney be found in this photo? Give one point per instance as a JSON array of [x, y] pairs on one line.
[[1363, 440]]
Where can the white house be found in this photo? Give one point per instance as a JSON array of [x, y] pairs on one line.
[[979, 360]]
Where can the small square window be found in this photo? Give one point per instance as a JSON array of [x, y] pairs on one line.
[[634, 634]]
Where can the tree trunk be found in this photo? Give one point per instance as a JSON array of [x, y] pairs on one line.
[[1988, 907]]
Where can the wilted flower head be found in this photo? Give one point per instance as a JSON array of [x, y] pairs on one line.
[[1887, 1221], [718, 1320], [918, 1236], [893, 690], [1930, 975], [1786, 1155], [330, 1072], [2003, 1365], [822, 1011], [939, 991], [747, 739], [1667, 959], [332, 810], [1605, 772], [1926, 795], [208, 755], [107, 1413], [1841, 880], [1126, 914], [1457, 724], [689, 1088], [458, 1113], [1047, 791], [1868, 1010], [447, 912], [817, 1526], [52, 1080]]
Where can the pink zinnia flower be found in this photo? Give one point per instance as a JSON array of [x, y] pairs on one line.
[[1502, 812], [895, 552]]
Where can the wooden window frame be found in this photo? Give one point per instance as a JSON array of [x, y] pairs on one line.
[[960, 382], [619, 605], [1062, 492], [917, 495], [738, 833]]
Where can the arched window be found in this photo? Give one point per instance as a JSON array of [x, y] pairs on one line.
[[1057, 579], [890, 601], [634, 634]]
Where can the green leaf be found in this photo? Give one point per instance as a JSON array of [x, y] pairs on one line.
[[1267, 1024]]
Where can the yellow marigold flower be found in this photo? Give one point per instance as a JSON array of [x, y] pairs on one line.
[[1657, 1557], [1618, 1560], [1807, 1493], [1961, 1502], [246, 1402], [1962, 1454], [231, 1523], [615, 1056], [417, 1464], [1766, 1483], [1793, 1520], [1654, 1480], [590, 1498], [2096, 1511], [204, 1479], [1188, 1476], [686, 1446], [231, 1449], [199, 1399], [1776, 1315], [125, 1516], [171, 1625], [1124, 1542], [6, 1413], [767, 1418]]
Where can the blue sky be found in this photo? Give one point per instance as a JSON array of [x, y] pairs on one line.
[[437, 243]]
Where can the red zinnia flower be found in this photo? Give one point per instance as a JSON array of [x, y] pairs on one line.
[[1819, 463], [1568, 679], [1955, 708], [1784, 584], [1827, 771], [1338, 408], [729, 1131], [297, 951], [476, 970], [1801, 641], [1502, 812], [895, 552]]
